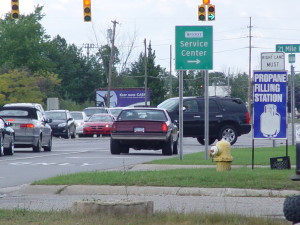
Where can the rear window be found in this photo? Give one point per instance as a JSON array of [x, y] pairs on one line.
[[56, 115], [90, 112], [100, 118], [155, 115], [77, 116], [17, 113]]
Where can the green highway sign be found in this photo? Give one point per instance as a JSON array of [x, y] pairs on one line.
[[194, 48], [288, 48]]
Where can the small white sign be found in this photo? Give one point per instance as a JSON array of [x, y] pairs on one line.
[[193, 34], [272, 61]]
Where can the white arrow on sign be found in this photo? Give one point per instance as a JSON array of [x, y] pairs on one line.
[[197, 61]]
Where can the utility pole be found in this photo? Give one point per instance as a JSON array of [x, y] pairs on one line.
[[250, 79], [146, 78], [171, 80], [111, 60], [88, 46]]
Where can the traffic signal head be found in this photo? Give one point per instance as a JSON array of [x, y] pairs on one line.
[[211, 12], [206, 2], [87, 12], [14, 9], [201, 13]]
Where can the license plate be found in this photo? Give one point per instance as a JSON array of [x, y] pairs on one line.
[[139, 130]]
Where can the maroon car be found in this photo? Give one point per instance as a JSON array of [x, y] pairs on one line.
[[144, 128], [99, 124]]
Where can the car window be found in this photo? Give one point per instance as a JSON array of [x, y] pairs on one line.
[[14, 112], [191, 105], [142, 115], [90, 112], [100, 118], [39, 115], [233, 105], [56, 115], [169, 104], [77, 116]]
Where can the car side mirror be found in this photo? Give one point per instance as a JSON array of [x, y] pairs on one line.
[[48, 120]]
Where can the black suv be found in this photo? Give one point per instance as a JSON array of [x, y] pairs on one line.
[[228, 117]]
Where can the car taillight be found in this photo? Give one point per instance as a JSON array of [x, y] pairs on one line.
[[164, 127], [247, 117], [10, 120], [27, 125]]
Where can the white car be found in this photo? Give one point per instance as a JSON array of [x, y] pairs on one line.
[[79, 117]]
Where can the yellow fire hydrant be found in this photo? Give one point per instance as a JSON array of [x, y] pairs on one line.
[[221, 154]]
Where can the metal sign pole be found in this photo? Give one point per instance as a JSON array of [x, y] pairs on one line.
[[180, 114], [206, 114]]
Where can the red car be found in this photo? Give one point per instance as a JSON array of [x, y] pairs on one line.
[[98, 124]]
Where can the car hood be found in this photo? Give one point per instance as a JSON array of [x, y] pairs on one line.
[[97, 123]]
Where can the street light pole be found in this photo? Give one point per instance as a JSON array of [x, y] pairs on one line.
[[111, 59]]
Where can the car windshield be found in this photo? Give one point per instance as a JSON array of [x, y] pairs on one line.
[[141, 114], [90, 112], [100, 118], [56, 115], [115, 112], [169, 104], [77, 116]]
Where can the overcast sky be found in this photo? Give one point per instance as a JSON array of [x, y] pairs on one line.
[[273, 22]]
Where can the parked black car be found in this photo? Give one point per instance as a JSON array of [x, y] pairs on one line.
[[7, 138], [63, 124], [228, 117]]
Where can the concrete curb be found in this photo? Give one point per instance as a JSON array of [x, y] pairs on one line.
[[151, 190]]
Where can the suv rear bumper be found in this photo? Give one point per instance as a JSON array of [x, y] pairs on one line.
[[244, 129]]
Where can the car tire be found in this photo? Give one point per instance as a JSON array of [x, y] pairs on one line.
[[11, 149], [115, 147], [68, 135], [167, 148], [228, 133], [125, 149], [48, 148], [202, 142], [38, 146], [175, 147], [73, 135], [291, 208]]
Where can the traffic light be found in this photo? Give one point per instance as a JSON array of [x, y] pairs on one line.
[[211, 12], [202, 13], [14, 9], [87, 12], [206, 2]]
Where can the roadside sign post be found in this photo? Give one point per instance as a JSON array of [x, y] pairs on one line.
[[193, 51]]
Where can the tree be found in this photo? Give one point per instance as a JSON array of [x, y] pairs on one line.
[[22, 42], [239, 86], [19, 86]]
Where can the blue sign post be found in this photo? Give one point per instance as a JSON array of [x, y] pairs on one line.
[[269, 105]]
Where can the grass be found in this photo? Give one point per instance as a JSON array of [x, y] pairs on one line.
[[242, 177], [24, 217], [241, 156]]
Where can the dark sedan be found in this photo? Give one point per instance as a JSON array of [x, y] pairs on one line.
[[63, 124], [144, 128]]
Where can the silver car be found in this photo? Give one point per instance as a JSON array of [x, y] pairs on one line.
[[30, 126], [80, 117]]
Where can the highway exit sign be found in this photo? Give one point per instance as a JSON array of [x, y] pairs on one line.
[[194, 48], [288, 48]]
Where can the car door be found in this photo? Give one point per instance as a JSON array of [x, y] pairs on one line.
[[191, 118]]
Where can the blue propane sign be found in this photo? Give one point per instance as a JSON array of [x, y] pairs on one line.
[[269, 104]]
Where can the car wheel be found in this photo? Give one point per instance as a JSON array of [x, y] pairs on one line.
[[202, 142], [168, 147], [38, 146], [68, 135], [11, 149], [73, 135], [1, 146], [175, 147], [48, 148], [125, 149], [228, 133], [291, 209], [115, 147]]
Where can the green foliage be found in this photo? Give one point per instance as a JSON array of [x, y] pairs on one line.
[[20, 86], [73, 106]]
